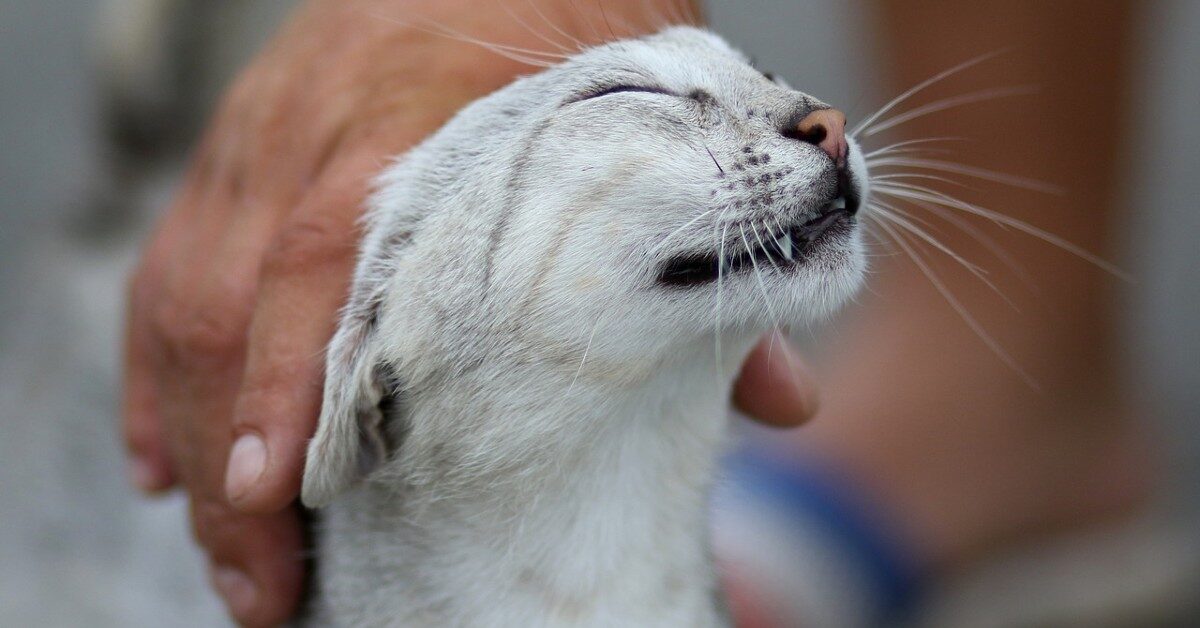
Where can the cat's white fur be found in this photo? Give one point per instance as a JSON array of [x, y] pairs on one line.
[[520, 424]]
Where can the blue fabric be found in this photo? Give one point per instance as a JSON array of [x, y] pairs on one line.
[[821, 496]]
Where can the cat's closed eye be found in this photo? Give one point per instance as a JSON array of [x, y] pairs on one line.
[[619, 89]]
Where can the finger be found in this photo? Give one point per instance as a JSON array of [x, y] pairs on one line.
[[256, 561], [149, 462], [775, 387], [304, 282], [150, 466]]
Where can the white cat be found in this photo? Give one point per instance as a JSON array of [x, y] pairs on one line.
[[527, 392]]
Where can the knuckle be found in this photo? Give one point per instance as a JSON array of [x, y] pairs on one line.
[[199, 333], [306, 246], [214, 524]]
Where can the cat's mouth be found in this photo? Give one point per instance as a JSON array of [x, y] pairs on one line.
[[768, 249]]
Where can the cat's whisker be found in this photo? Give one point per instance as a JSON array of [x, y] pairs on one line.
[[720, 278], [902, 220], [771, 258], [957, 305], [949, 103], [918, 88], [894, 176], [926, 140], [913, 151], [762, 286], [762, 245], [676, 232], [583, 360], [970, 171], [784, 232], [974, 233], [904, 190], [867, 228]]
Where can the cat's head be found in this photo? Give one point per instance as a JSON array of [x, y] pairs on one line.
[[639, 197]]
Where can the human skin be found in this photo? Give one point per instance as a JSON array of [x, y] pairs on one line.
[[237, 291]]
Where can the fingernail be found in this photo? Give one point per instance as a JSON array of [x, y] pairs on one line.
[[142, 475], [247, 460], [237, 589]]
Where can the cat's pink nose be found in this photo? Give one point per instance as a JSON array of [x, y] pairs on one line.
[[825, 129]]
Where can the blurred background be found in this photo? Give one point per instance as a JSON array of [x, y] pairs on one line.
[[99, 102]]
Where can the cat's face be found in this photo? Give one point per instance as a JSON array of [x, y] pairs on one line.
[[583, 226], [654, 160]]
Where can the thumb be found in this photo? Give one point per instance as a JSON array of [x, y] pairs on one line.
[[775, 387]]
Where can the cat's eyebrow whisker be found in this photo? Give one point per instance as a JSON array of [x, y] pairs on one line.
[[957, 305], [533, 31], [982, 95], [925, 140], [604, 16], [970, 171], [579, 43], [919, 87], [584, 18], [516, 49], [689, 16], [661, 19], [904, 190], [537, 58], [902, 220]]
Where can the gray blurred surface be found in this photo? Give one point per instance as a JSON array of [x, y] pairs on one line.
[[78, 548]]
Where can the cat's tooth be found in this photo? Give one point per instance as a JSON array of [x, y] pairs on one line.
[[785, 245]]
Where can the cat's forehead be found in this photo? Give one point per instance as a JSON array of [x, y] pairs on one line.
[[674, 57]]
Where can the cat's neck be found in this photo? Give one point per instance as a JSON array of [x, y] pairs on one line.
[[604, 526]]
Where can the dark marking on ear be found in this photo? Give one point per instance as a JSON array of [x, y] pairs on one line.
[[371, 314], [391, 407]]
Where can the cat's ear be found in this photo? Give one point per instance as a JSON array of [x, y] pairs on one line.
[[360, 390]]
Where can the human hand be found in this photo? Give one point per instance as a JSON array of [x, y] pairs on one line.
[[237, 292]]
